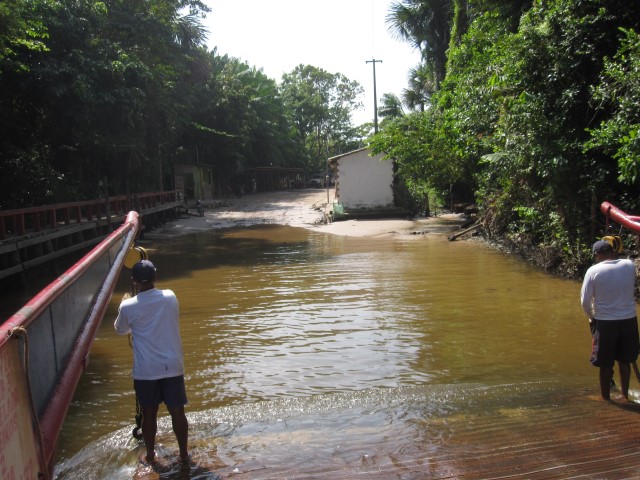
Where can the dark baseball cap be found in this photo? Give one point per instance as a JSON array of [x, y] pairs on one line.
[[143, 271], [602, 246]]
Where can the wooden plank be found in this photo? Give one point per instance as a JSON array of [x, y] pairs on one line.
[[569, 435]]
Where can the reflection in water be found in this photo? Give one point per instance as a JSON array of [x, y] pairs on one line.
[[323, 345]]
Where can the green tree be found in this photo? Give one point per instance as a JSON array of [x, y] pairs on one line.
[[27, 176], [319, 106], [22, 30], [103, 92], [391, 107], [514, 109], [426, 25], [422, 85], [423, 145], [618, 92], [522, 102], [237, 120]]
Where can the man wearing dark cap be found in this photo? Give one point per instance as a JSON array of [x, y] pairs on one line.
[[607, 297], [152, 318]]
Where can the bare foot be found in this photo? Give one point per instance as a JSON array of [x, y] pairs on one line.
[[148, 459], [622, 399], [184, 460]]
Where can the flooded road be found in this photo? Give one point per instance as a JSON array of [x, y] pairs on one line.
[[311, 355]]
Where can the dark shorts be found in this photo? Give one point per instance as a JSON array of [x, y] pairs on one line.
[[171, 391], [614, 340]]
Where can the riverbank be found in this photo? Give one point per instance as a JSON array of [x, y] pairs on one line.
[[297, 208]]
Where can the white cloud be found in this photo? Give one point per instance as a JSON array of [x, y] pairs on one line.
[[339, 36]]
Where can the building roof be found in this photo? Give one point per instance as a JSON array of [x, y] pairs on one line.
[[334, 160]]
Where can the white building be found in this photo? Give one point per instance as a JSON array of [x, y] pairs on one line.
[[362, 181]]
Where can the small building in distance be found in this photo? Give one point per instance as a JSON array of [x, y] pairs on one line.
[[362, 181], [193, 181]]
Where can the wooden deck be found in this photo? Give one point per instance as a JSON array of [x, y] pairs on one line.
[[570, 437]]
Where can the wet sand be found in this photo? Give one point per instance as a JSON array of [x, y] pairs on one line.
[[304, 208]]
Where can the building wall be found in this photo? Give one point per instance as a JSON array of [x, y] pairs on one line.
[[194, 181], [364, 181]]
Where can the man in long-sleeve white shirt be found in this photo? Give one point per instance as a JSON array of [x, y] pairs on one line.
[[152, 318], [607, 297]]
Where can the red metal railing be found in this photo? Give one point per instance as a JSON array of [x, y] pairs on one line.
[[35, 219], [54, 332], [628, 221]]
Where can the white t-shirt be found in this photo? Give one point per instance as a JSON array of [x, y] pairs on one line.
[[607, 290], [152, 317]]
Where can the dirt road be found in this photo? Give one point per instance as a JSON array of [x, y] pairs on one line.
[[297, 208]]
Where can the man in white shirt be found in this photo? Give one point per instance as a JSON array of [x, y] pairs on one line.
[[607, 297], [152, 318]]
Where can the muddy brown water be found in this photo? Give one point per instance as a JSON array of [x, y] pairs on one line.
[[310, 355]]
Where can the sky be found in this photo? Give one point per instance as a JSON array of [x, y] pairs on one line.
[[339, 36]]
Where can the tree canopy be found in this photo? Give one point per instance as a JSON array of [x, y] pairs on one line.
[[118, 91], [320, 105], [536, 113]]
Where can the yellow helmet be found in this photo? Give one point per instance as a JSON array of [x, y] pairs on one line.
[[615, 241]]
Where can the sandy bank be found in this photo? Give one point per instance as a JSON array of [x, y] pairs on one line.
[[297, 208]]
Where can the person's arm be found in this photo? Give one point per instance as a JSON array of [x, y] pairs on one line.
[[586, 297], [122, 324]]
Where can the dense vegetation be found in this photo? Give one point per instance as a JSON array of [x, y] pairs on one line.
[[113, 92], [529, 108]]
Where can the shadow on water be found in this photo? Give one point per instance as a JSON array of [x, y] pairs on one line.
[[235, 247], [314, 356]]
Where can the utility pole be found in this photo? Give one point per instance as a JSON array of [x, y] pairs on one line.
[[375, 94]]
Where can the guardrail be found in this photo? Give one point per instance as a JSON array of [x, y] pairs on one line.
[[614, 213], [44, 349], [32, 237], [35, 219]]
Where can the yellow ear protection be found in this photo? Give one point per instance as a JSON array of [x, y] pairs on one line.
[[615, 242], [135, 255]]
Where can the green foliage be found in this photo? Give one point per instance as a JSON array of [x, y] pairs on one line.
[[21, 30], [426, 24], [526, 83], [319, 106], [424, 149], [239, 121], [525, 95], [121, 90], [619, 91], [391, 107], [545, 107], [32, 177], [543, 227]]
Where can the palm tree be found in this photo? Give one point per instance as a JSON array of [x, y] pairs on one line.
[[391, 106], [422, 85], [189, 31], [425, 24]]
